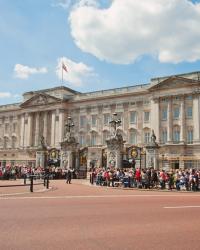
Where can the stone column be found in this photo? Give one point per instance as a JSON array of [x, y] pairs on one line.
[[37, 128], [45, 125], [182, 134], [61, 126], [169, 121], [22, 130], [53, 123], [196, 118], [29, 130], [155, 117]]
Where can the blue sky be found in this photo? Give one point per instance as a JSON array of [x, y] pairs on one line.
[[104, 44]]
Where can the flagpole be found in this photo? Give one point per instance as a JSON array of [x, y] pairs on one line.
[[62, 75]]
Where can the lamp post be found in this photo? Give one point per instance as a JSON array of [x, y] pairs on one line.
[[143, 153], [114, 123], [163, 157], [68, 126]]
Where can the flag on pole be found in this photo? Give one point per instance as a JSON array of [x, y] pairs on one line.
[[64, 67]]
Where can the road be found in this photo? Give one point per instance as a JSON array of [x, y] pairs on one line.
[[86, 217]]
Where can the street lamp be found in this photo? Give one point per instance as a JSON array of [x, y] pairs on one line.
[[143, 153], [115, 123], [69, 125], [163, 157]]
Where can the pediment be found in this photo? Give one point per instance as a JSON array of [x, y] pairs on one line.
[[39, 100], [172, 83]]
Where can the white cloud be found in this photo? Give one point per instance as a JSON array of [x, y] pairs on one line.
[[78, 73], [5, 94], [129, 29], [66, 4], [62, 3], [23, 72]]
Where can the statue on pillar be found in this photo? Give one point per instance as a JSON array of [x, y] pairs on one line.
[[42, 144], [153, 137]]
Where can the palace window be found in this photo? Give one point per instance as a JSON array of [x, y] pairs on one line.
[[5, 143], [14, 127], [93, 139], [105, 136], [133, 137], [189, 112], [146, 137], [14, 140], [176, 113], [189, 97], [164, 114], [82, 140], [146, 116], [164, 136], [6, 128], [190, 136], [94, 120], [133, 117], [82, 121], [176, 135], [106, 119]]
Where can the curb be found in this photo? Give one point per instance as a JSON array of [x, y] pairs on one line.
[[37, 191]]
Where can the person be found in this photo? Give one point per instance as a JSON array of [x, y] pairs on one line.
[[68, 176]]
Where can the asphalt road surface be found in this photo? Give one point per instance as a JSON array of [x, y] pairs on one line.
[[86, 217]]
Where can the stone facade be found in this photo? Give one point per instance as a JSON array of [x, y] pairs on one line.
[[170, 106]]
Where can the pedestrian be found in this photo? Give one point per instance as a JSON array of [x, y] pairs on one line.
[[68, 176]]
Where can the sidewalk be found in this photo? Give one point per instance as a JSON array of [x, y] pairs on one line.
[[21, 189]]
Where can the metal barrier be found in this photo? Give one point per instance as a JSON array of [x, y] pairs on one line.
[[31, 184]]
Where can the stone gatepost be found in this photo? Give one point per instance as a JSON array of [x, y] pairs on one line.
[[115, 145], [69, 154], [152, 153], [41, 154], [69, 148]]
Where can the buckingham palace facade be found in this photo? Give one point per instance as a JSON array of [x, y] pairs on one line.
[[168, 105]]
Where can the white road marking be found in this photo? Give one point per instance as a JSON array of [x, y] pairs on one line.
[[94, 196], [179, 207], [37, 191]]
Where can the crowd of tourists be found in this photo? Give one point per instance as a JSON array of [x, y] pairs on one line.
[[187, 179], [17, 172]]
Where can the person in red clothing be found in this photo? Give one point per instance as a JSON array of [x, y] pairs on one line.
[[107, 178], [1, 173], [138, 176], [163, 178]]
